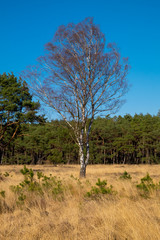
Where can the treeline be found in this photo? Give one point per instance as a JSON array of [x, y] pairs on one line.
[[117, 140]]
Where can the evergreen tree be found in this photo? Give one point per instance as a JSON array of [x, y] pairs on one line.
[[16, 107]]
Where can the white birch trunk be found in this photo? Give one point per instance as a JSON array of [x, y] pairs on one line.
[[82, 162]]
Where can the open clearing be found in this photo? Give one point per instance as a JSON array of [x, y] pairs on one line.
[[123, 215]]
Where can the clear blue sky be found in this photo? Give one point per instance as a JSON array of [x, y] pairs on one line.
[[26, 25]]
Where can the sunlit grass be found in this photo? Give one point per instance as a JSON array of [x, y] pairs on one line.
[[119, 216]]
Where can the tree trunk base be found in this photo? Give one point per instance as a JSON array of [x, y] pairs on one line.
[[82, 172]]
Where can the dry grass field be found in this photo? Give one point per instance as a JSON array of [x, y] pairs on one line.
[[69, 214]]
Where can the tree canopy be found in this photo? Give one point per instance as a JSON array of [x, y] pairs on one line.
[[116, 140], [16, 107], [80, 78]]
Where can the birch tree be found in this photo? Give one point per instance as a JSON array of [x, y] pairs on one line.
[[80, 78]]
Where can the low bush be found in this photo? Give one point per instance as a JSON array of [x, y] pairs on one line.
[[146, 186], [100, 188], [125, 175], [52, 185]]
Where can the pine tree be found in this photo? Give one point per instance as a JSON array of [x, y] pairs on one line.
[[16, 107]]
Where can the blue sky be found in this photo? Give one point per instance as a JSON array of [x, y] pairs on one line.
[[25, 26]]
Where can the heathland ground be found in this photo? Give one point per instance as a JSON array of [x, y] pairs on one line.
[[55, 204]]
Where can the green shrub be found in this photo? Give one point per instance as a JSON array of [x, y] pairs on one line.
[[52, 185], [100, 188], [73, 177], [28, 173], [6, 174], [3, 193], [40, 175], [21, 197], [146, 186], [125, 175], [1, 177]]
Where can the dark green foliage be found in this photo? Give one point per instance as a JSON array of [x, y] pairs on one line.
[[25, 170], [15, 101], [125, 175], [40, 175], [1, 177], [16, 108], [23, 140], [3, 193], [101, 189], [146, 186], [51, 185], [54, 186], [117, 140], [21, 197], [28, 174], [6, 174]]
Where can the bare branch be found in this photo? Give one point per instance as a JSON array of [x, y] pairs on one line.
[[78, 80]]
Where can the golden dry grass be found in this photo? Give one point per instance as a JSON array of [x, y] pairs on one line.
[[124, 216]]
